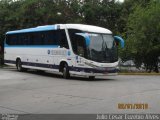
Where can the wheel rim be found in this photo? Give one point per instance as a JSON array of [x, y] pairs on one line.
[[64, 72], [19, 65]]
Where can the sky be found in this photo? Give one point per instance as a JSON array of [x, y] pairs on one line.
[[120, 0]]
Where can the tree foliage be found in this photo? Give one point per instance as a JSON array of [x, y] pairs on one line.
[[19, 14], [144, 36]]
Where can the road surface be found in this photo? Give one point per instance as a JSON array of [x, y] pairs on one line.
[[32, 92]]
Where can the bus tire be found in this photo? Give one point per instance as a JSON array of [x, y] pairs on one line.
[[91, 77], [19, 65], [66, 74]]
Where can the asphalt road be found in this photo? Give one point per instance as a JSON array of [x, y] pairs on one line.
[[32, 92]]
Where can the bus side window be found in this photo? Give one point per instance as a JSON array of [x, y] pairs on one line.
[[73, 38], [8, 40], [23, 39], [27, 39], [63, 39], [80, 45], [47, 39], [39, 38], [42, 39], [13, 39], [50, 38], [19, 39], [32, 39]]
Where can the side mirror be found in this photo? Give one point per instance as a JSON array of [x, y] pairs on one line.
[[119, 40]]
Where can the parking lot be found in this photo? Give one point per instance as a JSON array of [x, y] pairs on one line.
[[32, 92]]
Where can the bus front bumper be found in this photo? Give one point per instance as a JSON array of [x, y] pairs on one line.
[[94, 71]]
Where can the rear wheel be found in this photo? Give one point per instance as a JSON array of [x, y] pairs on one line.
[[19, 65], [66, 74]]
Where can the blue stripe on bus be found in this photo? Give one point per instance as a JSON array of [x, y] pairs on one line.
[[36, 29], [71, 68]]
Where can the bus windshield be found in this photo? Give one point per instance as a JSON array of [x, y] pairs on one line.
[[101, 47]]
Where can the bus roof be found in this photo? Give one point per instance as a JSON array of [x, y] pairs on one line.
[[87, 28]]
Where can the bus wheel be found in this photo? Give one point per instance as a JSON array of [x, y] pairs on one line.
[[91, 77], [19, 65], [66, 74]]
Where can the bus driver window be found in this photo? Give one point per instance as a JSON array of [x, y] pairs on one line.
[[80, 45]]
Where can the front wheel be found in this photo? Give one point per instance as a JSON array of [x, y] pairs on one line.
[[66, 74], [19, 65]]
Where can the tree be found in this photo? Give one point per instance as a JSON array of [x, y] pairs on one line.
[[143, 28], [128, 7], [104, 13]]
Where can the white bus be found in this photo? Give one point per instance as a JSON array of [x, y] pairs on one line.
[[69, 49]]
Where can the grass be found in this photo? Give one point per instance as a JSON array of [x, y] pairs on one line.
[[136, 72]]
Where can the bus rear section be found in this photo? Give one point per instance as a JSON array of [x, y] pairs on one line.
[[40, 48]]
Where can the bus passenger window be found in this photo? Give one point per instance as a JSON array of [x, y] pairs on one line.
[[50, 38], [63, 40], [8, 40], [42, 39], [13, 39], [32, 39]]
